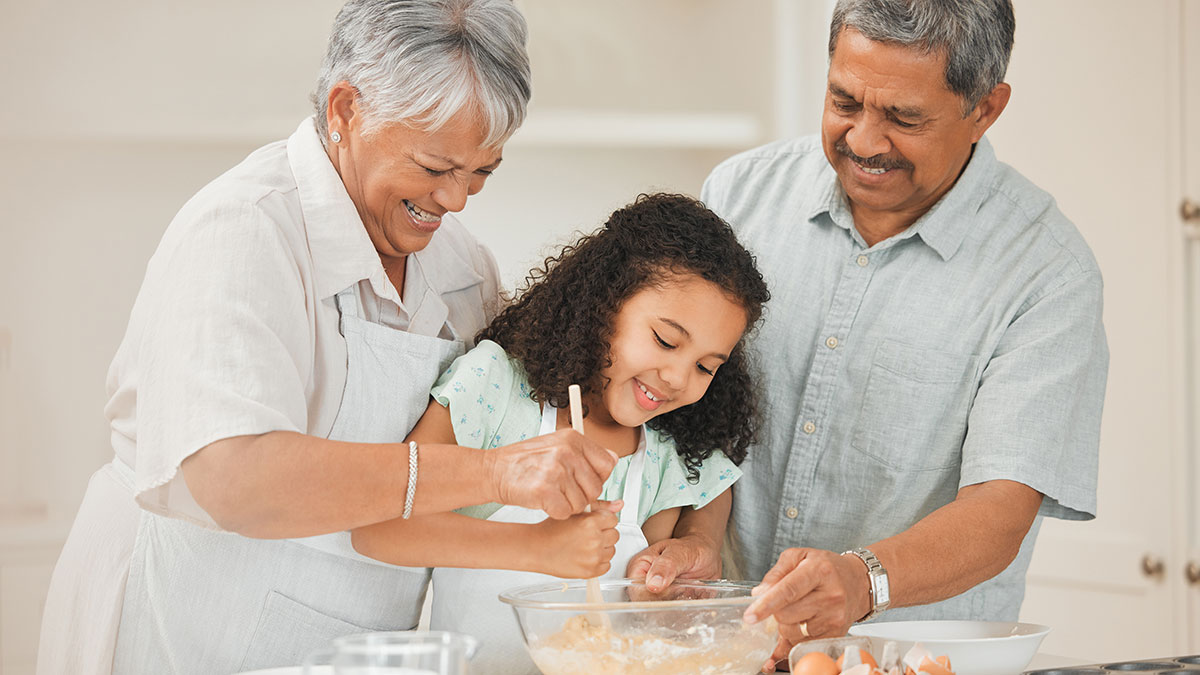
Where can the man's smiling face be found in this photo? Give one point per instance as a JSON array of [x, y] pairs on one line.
[[892, 129]]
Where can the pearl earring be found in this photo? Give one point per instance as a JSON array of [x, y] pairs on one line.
[[335, 137]]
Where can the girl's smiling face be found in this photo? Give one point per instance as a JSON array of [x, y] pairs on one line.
[[668, 340]]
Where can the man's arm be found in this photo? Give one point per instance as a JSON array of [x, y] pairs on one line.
[[958, 546]]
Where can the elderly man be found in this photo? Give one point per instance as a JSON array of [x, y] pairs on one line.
[[933, 361]]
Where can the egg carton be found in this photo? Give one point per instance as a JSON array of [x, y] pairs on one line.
[[833, 648], [1186, 665]]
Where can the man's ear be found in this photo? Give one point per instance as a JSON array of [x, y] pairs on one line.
[[988, 110]]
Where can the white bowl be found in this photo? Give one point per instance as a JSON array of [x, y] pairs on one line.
[[974, 647]]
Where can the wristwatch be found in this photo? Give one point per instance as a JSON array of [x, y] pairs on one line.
[[880, 594]]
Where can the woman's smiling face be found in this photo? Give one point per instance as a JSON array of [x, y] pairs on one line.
[[402, 180], [668, 341]]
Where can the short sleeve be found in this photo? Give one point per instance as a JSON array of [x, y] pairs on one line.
[[487, 395], [666, 482], [1036, 416], [715, 189], [484, 389], [221, 341]]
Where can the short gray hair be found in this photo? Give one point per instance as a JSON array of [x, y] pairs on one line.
[[975, 35], [421, 62]]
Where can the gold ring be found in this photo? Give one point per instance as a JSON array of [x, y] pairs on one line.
[[804, 629]]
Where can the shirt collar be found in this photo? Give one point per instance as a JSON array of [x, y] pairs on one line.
[[342, 251], [945, 225]]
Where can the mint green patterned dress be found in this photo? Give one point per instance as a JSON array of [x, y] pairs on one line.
[[487, 393]]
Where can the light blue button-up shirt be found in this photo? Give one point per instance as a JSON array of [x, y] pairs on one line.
[[965, 349]]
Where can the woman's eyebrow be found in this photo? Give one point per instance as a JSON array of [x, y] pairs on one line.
[[456, 165]]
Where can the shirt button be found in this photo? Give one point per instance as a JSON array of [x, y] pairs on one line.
[[792, 512], [863, 260], [831, 342], [809, 427]]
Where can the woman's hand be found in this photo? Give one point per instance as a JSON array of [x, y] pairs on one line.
[[580, 547], [559, 473]]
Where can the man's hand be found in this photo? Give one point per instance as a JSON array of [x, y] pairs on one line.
[[812, 593], [690, 557], [559, 473]]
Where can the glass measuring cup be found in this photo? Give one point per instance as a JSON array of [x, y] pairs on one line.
[[394, 653]]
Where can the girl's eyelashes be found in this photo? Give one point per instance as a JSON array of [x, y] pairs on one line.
[[667, 345]]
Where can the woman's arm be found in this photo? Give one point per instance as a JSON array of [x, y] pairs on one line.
[[285, 484], [579, 547]]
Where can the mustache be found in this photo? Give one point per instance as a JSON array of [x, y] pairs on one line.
[[875, 162]]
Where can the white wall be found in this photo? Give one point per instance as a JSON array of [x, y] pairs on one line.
[[116, 112]]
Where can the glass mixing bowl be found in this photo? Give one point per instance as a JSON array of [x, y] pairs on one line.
[[690, 627]]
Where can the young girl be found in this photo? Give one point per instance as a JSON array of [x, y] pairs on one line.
[[647, 315]]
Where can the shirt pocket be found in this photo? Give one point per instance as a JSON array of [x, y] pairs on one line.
[[915, 407]]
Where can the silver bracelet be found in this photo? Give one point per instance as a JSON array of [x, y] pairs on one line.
[[412, 480]]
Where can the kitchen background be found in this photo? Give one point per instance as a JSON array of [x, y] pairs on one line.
[[116, 112]]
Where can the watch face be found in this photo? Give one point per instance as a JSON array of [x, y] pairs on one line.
[[882, 593]]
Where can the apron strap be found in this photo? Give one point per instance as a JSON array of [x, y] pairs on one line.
[[549, 420], [632, 493], [347, 302]]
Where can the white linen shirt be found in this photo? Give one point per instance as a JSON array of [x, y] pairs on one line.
[[965, 349], [235, 330]]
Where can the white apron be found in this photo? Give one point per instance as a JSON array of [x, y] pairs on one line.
[[467, 600], [204, 602], [83, 604]]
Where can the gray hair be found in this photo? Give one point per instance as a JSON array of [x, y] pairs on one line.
[[975, 35], [421, 62]]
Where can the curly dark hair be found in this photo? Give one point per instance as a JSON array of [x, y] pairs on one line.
[[561, 325]]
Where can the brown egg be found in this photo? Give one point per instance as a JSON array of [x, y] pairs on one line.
[[816, 663]]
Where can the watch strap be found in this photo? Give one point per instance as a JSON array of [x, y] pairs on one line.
[[877, 581]]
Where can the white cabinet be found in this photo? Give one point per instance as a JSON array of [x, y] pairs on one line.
[[1189, 502], [1100, 124]]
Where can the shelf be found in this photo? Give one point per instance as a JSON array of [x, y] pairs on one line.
[[588, 129]]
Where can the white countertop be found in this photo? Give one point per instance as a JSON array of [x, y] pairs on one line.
[[1039, 661]]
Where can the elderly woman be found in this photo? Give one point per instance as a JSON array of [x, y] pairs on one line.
[[284, 341]]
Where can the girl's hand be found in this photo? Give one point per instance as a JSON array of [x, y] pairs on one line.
[[559, 473], [580, 547]]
